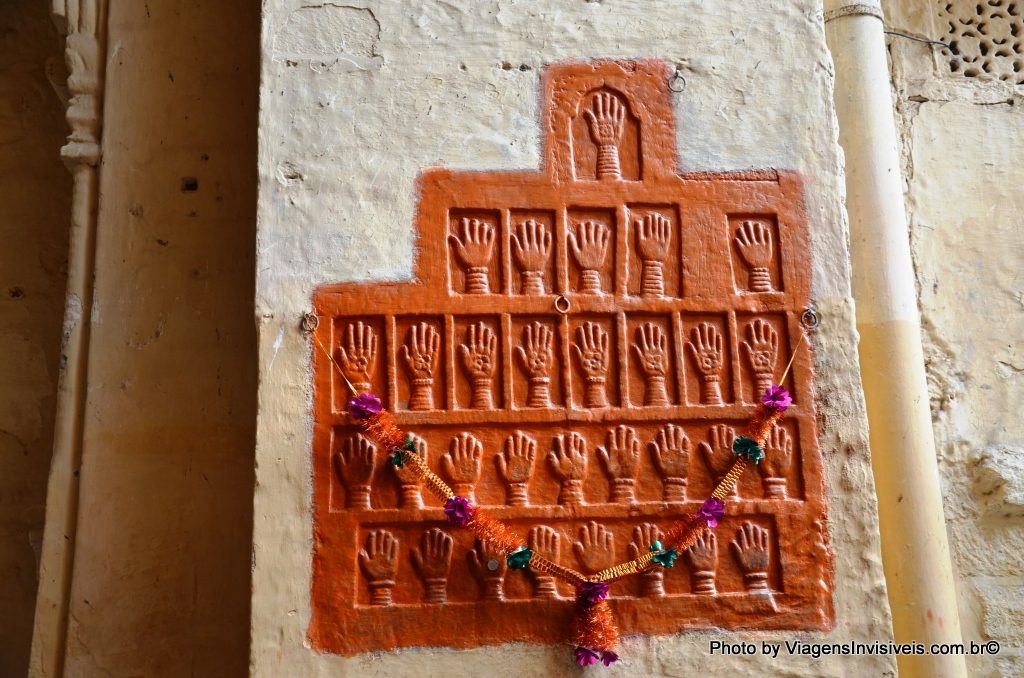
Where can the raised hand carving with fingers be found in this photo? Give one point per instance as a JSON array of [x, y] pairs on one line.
[[762, 348], [778, 459], [591, 349], [569, 462], [651, 348], [653, 235], [596, 547], [754, 241], [379, 562], [354, 464], [515, 463], [411, 495], [751, 550], [545, 541], [421, 351], [607, 122], [706, 347], [433, 558], [717, 451], [621, 455], [487, 563], [702, 557], [653, 578], [475, 249], [479, 358], [538, 360], [462, 464], [531, 245], [670, 449], [359, 356], [589, 244]]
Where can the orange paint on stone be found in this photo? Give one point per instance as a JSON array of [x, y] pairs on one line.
[[580, 348]]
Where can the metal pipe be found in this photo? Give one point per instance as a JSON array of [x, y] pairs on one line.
[[915, 548]]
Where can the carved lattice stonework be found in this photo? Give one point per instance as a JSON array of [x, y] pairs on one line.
[[987, 38], [589, 430]]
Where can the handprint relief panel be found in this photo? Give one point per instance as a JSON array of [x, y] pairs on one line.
[[605, 138], [756, 253], [655, 248], [576, 350]]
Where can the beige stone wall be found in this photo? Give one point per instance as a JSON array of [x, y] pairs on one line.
[[963, 140], [160, 585], [35, 194], [357, 99]]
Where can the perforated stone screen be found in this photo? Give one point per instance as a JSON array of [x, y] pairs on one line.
[[577, 353], [986, 37]]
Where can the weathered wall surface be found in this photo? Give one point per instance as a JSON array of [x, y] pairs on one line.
[[35, 193], [358, 99], [161, 573], [963, 140]]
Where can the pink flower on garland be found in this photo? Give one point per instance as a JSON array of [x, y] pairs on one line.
[[364, 406], [592, 592], [608, 657], [458, 511], [586, 656], [712, 511], [777, 398]]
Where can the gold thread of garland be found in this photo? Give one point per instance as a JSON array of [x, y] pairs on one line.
[[726, 484]]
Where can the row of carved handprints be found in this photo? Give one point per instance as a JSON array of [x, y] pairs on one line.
[[356, 458], [472, 241], [594, 551], [478, 351]]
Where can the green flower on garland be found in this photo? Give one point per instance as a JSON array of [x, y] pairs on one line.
[[746, 447], [666, 559], [520, 559], [398, 455]]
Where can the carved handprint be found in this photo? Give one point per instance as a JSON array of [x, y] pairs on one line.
[[538, 360], [359, 355], [411, 496], [717, 451], [379, 562], [531, 245], [607, 122], [762, 347], [545, 541], [671, 452], [421, 351], [479, 358], [596, 547], [653, 235], [653, 579], [754, 241], [621, 455], [569, 461], [474, 250], [778, 459], [751, 550], [702, 557], [433, 558], [487, 562], [462, 464], [651, 348], [706, 347], [354, 464], [589, 244], [591, 349], [515, 463]]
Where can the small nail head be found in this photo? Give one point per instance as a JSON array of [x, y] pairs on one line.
[[493, 565]]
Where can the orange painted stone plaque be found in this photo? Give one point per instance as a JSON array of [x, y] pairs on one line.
[[578, 351]]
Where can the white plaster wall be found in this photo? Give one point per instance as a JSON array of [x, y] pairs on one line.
[[357, 99], [963, 140]]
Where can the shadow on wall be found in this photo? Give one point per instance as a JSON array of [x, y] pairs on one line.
[[35, 198]]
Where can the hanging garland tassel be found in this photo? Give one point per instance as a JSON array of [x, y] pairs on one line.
[[594, 632]]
